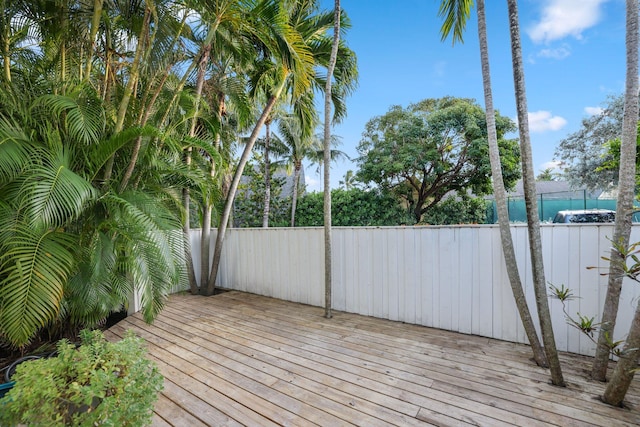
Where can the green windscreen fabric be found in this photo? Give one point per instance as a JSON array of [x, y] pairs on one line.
[[548, 207]]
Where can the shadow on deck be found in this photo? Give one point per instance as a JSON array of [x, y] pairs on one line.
[[243, 359]]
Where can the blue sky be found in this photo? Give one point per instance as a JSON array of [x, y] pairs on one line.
[[573, 50]]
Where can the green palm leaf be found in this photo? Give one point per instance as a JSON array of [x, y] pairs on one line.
[[33, 270], [55, 194], [97, 288], [108, 148], [83, 113], [15, 151]]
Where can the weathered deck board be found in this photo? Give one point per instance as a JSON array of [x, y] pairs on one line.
[[243, 359]]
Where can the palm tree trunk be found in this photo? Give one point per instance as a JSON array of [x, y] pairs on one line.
[[128, 91], [202, 68], [95, 24], [501, 198], [222, 228], [627, 364], [205, 240], [533, 223], [6, 49], [626, 187], [267, 178], [327, 161], [294, 193]]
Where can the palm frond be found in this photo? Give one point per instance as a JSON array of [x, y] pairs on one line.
[[109, 147], [54, 194], [34, 266], [84, 115], [455, 14], [14, 153]]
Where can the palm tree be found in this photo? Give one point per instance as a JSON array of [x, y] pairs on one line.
[[290, 73], [529, 185], [267, 147], [74, 246], [299, 148], [349, 180], [627, 364], [455, 15], [327, 161]]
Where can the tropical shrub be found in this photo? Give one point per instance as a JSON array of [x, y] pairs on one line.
[[99, 383], [468, 210], [73, 246], [354, 208]]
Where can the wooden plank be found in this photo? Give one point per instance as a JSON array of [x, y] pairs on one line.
[[271, 404], [185, 375], [428, 397], [492, 362], [352, 407], [243, 359], [540, 378]]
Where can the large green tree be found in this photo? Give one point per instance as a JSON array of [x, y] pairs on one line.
[[422, 152], [590, 155]]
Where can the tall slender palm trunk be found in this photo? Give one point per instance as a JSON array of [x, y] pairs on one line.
[[294, 192], [228, 206], [628, 362], [533, 223], [267, 176], [129, 88], [500, 194], [327, 161]]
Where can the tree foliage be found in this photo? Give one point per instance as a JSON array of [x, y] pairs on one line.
[[466, 210], [588, 156], [354, 208], [251, 198], [436, 146], [611, 159], [117, 119]]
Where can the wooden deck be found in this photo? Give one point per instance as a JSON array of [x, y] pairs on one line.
[[243, 359]]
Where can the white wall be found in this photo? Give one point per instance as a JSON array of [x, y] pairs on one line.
[[449, 277]]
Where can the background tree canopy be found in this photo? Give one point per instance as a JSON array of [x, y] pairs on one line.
[[590, 155], [436, 146], [354, 207]]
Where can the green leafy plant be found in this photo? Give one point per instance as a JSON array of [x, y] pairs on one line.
[[98, 383], [586, 325], [352, 208], [452, 210]]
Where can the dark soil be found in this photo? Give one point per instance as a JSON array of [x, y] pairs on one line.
[[45, 345]]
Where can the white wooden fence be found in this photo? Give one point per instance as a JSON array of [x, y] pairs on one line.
[[448, 277]]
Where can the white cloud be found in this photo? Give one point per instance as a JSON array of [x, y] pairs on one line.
[[312, 184], [439, 69], [593, 111], [558, 53], [553, 165], [542, 121], [562, 18]]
